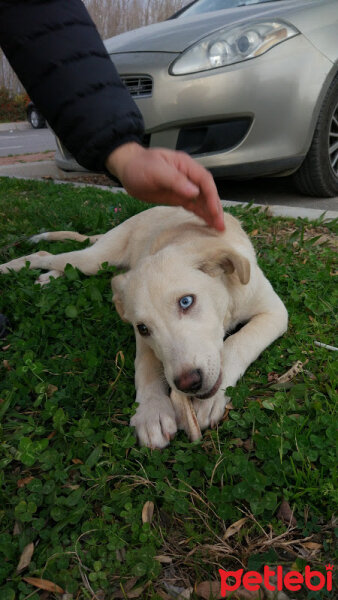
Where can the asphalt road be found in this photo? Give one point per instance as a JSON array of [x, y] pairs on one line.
[[260, 191], [273, 190], [26, 141]]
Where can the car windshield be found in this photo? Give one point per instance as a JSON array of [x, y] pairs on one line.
[[203, 6]]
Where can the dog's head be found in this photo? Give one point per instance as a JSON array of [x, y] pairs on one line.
[[178, 302]]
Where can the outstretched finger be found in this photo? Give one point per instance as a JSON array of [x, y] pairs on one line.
[[207, 202]]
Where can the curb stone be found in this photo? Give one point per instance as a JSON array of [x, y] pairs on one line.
[[41, 169], [291, 212], [13, 126]]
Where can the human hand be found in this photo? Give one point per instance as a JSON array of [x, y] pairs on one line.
[[162, 176]]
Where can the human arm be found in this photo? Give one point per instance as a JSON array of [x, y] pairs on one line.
[[58, 55], [55, 49]]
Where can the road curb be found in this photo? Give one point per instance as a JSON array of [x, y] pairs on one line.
[[288, 212], [42, 169], [30, 170], [13, 126]]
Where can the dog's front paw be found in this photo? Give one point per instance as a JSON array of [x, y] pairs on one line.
[[209, 412], [155, 422], [45, 278]]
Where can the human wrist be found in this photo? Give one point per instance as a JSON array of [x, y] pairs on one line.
[[121, 156]]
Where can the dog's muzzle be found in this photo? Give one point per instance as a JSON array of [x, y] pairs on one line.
[[189, 382], [213, 390]]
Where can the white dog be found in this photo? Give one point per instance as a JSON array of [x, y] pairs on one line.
[[187, 286]]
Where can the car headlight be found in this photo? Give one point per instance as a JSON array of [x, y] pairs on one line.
[[232, 45]]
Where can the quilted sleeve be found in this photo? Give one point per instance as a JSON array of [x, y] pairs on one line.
[[56, 51]]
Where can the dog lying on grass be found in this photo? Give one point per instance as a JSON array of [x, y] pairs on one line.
[[187, 287]]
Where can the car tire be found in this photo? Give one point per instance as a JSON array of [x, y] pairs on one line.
[[36, 119], [318, 174]]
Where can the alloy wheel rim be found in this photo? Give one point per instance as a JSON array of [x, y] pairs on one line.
[[333, 142], [34, 118]]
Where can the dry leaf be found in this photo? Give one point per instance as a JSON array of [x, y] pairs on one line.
[[243, 594], [44, 584], [234, 528], [178, 592], [22, 482], [163, 559], [17, 529], [273, 595], [248, 444], [135, 593], [6, 365], [130, 584], [212, 590], [186, 594], [51, 389], [291, 373], [77, 461], [120, 554], [254, 233], [128, 591], [163, 595], [208, 590], [312, 546], [25, 557], [237, 442], [285, 514], [147, 512]]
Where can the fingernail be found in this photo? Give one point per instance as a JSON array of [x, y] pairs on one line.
[[192, 189]]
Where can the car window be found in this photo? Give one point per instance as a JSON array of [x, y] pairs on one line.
[[203, 6]]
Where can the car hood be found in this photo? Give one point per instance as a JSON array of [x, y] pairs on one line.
[[178, 34]]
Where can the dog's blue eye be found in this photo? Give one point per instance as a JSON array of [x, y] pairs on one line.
[[186, 302]]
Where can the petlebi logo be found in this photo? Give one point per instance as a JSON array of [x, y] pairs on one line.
[[291, 580]]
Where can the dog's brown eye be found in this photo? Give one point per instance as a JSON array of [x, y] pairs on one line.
[[143, 329]]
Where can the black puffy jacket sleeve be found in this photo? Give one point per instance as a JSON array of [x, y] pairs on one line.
[[57, 53]]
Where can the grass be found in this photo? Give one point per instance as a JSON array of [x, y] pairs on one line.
[[74, 482]]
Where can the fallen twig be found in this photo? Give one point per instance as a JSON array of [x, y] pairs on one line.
[[327, 346]]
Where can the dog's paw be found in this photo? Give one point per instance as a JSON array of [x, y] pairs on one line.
[[35, 239], [155, 423], [209, 412], [45, 278]]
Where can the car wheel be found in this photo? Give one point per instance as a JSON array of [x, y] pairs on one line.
[[36, 120], [318, 174]]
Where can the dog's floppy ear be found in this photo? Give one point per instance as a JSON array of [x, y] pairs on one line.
[[118, 284], [224, 260]]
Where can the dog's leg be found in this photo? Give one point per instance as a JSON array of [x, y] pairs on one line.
[[154, 419], [239, 351], [111, 247], [57, 236], [88, 261], [242, 348]]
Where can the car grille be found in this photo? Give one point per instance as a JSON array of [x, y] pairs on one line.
[[139, 86]]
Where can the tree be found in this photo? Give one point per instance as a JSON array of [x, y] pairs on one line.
[[111, 17]]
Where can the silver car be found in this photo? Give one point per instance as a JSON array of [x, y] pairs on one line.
[[247, 87]]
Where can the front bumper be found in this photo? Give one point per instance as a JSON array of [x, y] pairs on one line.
[[274, 99]]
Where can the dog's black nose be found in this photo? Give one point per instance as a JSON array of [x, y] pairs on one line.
[[189, 381]]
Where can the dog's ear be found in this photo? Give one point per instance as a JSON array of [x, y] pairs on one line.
[[118, 284], [228, 261]]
